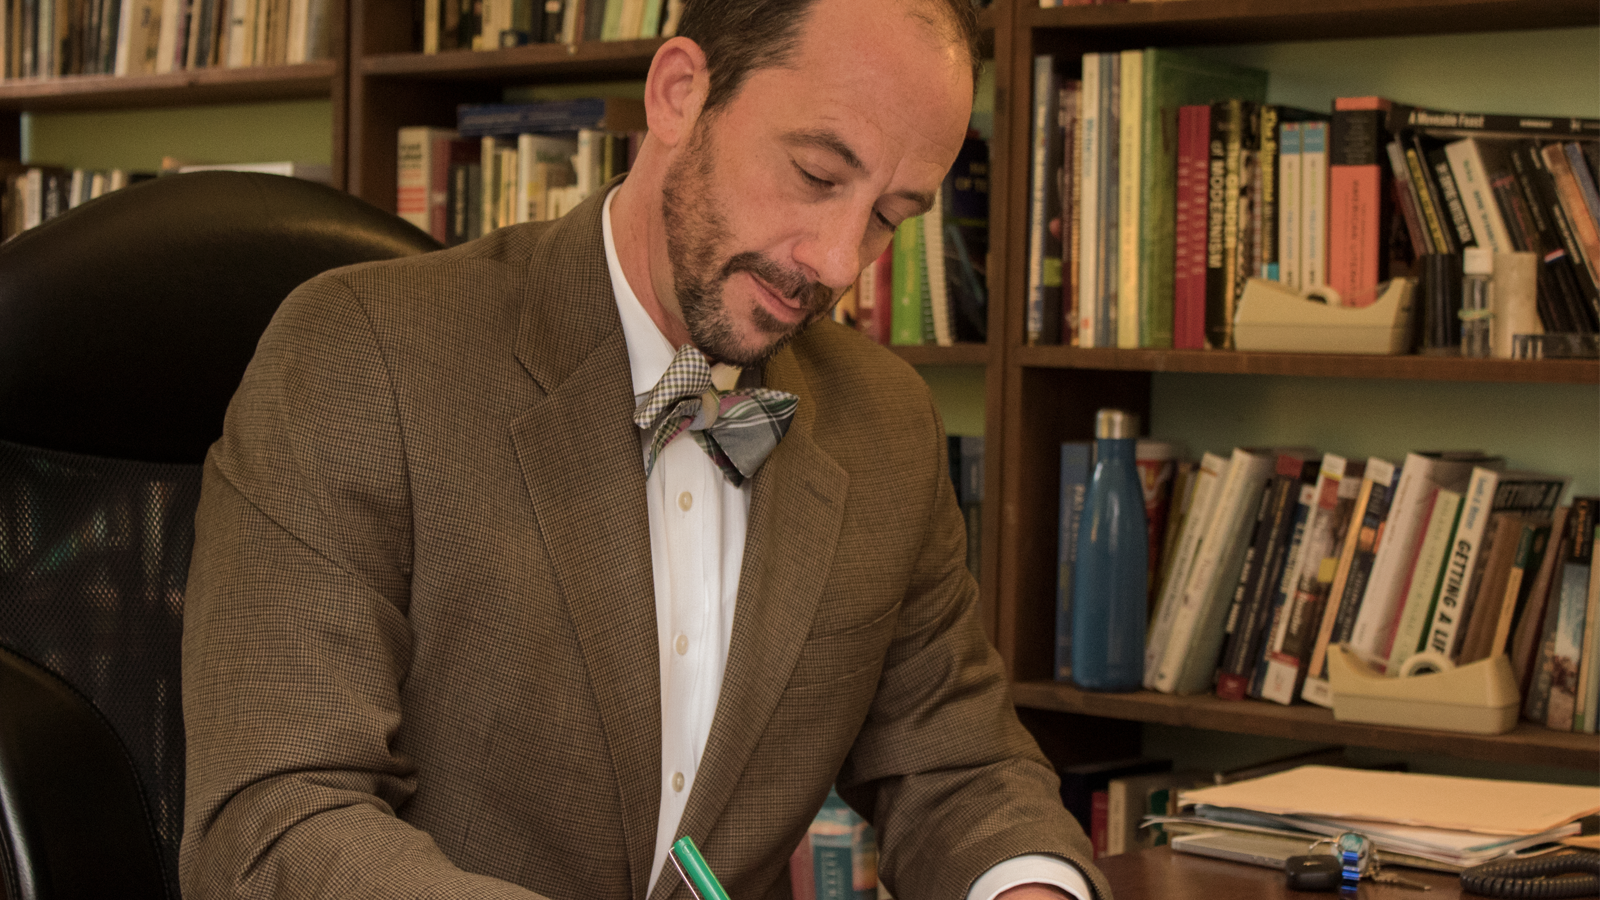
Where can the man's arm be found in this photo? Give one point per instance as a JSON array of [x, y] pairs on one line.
[[296, 638], [953, 783]]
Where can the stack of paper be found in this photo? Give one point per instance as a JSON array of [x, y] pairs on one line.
[[1454, 821]]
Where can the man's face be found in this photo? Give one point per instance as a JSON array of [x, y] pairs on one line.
[[779, 199]]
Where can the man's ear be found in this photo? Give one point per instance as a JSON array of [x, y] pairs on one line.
[[675, 89]]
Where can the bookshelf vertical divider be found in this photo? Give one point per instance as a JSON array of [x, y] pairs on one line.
[[1049, 394]]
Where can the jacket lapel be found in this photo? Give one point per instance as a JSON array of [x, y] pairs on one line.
[[796, 511], [580, 458]]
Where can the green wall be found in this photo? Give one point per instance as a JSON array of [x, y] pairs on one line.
[[137, 139]]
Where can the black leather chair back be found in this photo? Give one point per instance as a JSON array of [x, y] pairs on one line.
[[125, 325]]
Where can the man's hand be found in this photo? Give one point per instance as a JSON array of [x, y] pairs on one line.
[[1033, 892]]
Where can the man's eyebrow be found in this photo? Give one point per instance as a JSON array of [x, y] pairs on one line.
[[832, 143]]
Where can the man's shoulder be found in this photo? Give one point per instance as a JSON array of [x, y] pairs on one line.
[[838, 359]]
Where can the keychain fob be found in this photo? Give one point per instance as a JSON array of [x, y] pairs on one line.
[[1312, 873]]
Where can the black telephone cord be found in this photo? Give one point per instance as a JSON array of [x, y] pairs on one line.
[[1573, 874]]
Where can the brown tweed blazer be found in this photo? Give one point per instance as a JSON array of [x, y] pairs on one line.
[[420, 652]]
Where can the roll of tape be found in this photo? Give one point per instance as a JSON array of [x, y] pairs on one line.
[[1425, 662]]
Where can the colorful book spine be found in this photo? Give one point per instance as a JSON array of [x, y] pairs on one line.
[[1190, 236], [1289, 215], [1358, 199], [1076, 457], [1313, 205]]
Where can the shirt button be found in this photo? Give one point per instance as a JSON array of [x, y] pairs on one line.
[[677, 781], [685, 500], [682, 644]]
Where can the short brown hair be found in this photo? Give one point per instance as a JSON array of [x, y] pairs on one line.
[[741, 36]]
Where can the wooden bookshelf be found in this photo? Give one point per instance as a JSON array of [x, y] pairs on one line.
[[1049, 393], [1527, 744]]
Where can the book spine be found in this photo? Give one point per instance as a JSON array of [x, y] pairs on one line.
[[1577, 214], [1071, 116], [1357, 204], [413, 166], [1451, 122], [906, 311], [1530, 625], [1406, 197], [1222, 221], [1045, 107], [1368, 538], [1422, 581], [1105, 326], [1088, 232], [1230, 685], [1190, 235], [1567, 648], [1585, 179], [1559, 298], [1130, 158], [1269, 203], [1075, 459], [1433, 215], [1239, 658], [1587, 710], [1289, 204], [1514, 603], [1445, 623], [1477, 195], [1313, 204], [1399, 541], [1352, 494], [1212, 470]]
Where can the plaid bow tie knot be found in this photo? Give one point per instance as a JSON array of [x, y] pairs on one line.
[[737, 429]]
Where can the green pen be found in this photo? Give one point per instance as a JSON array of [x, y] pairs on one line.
[[696, 874]]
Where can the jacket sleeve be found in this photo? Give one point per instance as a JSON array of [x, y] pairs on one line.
[[296, 639], [950, 779]]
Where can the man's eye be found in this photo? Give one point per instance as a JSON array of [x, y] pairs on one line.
[[813, 180], [884, 220]]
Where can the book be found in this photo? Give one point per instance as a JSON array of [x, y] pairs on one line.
[[1449, 607], [1529, 494], [422, 173], [1081, 781], [1571, 615], [1110, 248], [1172, 79], [1483, 617], [1130, 182], [1087, 232], [1289, 214], [1189, 659], [1530, 624], [1529, 554], [1559, 294], [1410, 629], [1076, 462], [1281, 606], [1536, 696], [965, 204], [1419, 473], [1071, 117], [1358, 199], [1575, 315], [1313, 205], [1044, 201], [1157, 463], [1355, 560], [844, 855], [613, 114], [1473, 183], [1587, 707], [906, 297], [1404, 116], [1211, 471], [1338, 483], [1585, 230], [1228, 139], [1262, 571], [1128, 800], [1192, 200]]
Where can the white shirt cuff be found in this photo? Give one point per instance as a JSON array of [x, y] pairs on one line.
[[1033, 868]]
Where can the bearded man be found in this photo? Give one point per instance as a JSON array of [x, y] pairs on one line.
[[520, 560]]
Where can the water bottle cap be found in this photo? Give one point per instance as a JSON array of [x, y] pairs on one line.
[[1116, 423]]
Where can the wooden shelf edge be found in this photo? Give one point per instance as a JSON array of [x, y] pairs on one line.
[[186, 88], [1323, 365], [958, 355], [1527, 744], [1232, 21], [591, 56]]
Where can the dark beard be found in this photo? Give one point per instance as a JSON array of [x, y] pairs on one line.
[[695, 235]]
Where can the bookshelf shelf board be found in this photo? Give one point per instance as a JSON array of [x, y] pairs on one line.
[[1243, 21], [1319, 365], [1527, 744], [958, 355], [535, 61], [187, 88]]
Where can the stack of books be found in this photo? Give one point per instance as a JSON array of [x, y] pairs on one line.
[[1162, 182], [147, 37], [507, 163], [1268, 557]]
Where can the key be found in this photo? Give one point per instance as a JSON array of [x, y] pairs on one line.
[[1397, 881]]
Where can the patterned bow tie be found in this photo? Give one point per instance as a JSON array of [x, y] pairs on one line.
[[737, 429]]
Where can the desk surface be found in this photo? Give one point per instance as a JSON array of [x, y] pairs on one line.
[[1160, 874]]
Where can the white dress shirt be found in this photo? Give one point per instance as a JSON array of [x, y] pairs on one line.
[[697, 528]]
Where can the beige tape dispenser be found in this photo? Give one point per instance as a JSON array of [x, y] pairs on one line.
[[1430, 692]]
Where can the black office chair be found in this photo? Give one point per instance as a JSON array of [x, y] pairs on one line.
[[125, 325]]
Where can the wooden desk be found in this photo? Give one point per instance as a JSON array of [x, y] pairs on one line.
[[1160, 874]]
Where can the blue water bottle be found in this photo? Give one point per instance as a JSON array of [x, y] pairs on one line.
[[1109, 580]]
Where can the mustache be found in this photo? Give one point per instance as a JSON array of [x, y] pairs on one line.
[[789, 283]]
